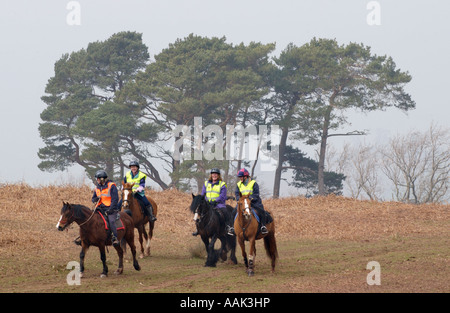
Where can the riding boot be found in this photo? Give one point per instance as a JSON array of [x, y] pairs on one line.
[[230, 228], [195, 233], [149, 211], [114, 241], [262, 218], [264, 230], [112, 225]]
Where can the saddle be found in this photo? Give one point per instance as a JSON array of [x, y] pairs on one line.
[[118, 222], [141, 204], [269, 218]]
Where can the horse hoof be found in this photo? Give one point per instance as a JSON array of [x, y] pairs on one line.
[[81, 274], [251, 273], [141, 256], [118, 271], [103, 275]]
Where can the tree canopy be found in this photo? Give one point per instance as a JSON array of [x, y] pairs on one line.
[[108, 104]]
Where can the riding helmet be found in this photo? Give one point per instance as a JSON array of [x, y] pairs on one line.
[[101, 174], [134, 163], [215, 170], [242, 173]]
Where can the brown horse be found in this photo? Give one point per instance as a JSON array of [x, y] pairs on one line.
[[129, 202], [93, 233], [246, 228]]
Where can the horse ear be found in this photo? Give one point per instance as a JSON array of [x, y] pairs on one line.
[[240, 194]]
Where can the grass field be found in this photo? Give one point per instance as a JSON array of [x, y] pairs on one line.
[[324, 245]]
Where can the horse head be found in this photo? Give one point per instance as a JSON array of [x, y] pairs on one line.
[[67, 216], [244, 205], [127, 193], [198, 206]]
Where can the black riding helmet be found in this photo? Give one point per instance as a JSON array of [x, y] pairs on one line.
[[134, 163], [215, 170], [101, 174]]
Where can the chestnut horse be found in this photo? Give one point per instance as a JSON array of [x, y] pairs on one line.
[[93, 233], [246, 228], [129, 202]]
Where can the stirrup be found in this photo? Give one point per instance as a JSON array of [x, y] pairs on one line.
[[77, 241], [230, 231], [115, 241], [264, 230]]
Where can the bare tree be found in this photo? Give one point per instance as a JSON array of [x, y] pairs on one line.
[[418, 165], [364, 174], [360, 165]]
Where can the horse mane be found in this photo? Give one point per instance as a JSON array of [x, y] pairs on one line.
[[127, 185], [196, 201], [78, 210]]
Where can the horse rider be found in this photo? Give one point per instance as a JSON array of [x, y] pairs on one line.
[[106, 196], [215, 192], [248, 186], [138, 178]]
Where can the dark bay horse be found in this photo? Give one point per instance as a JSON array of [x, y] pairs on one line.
[[93, 233], [246, 228], [211, 226], [129, 202]]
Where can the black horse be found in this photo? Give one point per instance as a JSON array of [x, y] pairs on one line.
[[212, 225]]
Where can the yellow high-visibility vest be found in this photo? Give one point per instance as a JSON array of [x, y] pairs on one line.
[[136, 180], [246, 190], [213, 191]]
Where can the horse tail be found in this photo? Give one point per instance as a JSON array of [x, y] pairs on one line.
[[151, 225], [270, 246]]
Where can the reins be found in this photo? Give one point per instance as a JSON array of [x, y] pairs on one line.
[[248, 223], [93, 212]]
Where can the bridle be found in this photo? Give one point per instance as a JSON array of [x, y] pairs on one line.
[[128, 191], [246, 214], [198, 216], [66, 224]]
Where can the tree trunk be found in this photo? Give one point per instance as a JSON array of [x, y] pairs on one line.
[[282, 146], [323, 148]]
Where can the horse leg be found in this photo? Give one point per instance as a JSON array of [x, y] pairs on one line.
[[123, 245], [231, 240], [206, 243], [84, 249], [129, 236], [120, 254], [223, 248], [147, 241], [244, 254], [211, 259], [103, 258], [251, 257], [139, 228]]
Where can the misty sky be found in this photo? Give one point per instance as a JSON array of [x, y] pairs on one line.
[[35, 34]]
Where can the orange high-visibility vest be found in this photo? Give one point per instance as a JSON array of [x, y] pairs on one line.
[[104, 195]]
